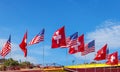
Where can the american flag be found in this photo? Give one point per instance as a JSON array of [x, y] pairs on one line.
[[73, 44], [72, 40], [6, 48], [90, 47], [38, 38]]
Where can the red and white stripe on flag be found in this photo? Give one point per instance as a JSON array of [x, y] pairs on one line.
[[70, 42], [6, 49], [36, 39], [88, 50]]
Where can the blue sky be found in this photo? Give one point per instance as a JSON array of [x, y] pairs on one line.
[[97, 19]]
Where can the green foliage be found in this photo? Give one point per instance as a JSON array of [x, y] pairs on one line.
[[25, 64], [11, 62]]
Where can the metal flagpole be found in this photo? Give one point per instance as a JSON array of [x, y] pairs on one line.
[[76, 65], [95, 66], [26, 57], [66, 56], [43, 56], [85, 63], [117, 69], [26, 60], [104, 69], [110, 67]]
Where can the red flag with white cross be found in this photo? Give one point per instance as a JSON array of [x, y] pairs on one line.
[[112, 59], [23, 44], [101, 54], [78, 45], [58, 38], [81, 43]]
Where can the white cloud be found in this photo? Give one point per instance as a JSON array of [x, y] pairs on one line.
[[2, 42], [108, 32]]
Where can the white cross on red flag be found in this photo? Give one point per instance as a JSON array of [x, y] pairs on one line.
[[58, 38], [101, 54], [23, 44], [112, 59], [81, 41], [78, 46]]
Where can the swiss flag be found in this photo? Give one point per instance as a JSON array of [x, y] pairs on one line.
[[112, 59], [101, 54], [23, 44], [78, 45], [81, 43], [58, 38]]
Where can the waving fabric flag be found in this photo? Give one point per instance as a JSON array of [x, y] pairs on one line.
[[58, 38], [90, 47], [77, 46], [23, 45], [73, 42], [81, 43], [71, 39], [101, 54], [6, 48], [112, 59], [38, 38]]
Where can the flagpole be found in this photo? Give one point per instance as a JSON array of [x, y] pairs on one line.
[[10, 54], [26, 60], [85, 63], [66, 56], [43, 56], [110, 67], [104, 69], [76, 64], [26, 57], [117, 68], [95, 66]]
